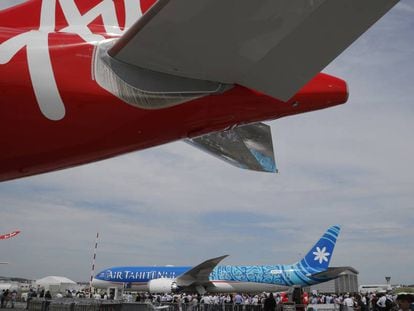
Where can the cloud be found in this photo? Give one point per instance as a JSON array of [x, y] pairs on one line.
[[406, 7]]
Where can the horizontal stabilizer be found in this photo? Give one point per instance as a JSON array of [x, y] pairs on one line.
[[333, 272], [272, 46], [249, 147]]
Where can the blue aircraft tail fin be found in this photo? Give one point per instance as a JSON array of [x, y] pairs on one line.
[[319, 256]]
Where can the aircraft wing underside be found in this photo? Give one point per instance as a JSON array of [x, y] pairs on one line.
[[273, 46]]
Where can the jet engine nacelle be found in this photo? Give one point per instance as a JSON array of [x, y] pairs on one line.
[[162, 286]]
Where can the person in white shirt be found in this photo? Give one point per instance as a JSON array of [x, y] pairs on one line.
[[382, 302], [348, 303], [59, 295]]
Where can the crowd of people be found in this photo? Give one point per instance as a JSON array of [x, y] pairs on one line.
[[270, 302], [374, 302], [239, 301], [208, 299], [366, 302], [8, 298]]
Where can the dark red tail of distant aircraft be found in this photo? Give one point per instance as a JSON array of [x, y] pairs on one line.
[[9, 235]]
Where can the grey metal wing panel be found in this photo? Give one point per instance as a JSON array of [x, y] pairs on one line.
[[199, 274], [274, 46], [317, 41]]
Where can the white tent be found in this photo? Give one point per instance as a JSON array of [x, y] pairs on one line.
[[9, 285], [56, 283]]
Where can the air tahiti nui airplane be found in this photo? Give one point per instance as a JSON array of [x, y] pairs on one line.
[[208, 277]]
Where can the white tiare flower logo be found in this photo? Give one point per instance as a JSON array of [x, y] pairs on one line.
[[321, 254]]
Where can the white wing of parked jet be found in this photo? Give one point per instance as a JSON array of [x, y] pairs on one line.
[[199, 275], [273, 46]]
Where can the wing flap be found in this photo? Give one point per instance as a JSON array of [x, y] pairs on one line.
[[273, 46]]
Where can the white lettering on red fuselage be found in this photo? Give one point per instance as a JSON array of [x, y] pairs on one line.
[[37, 46]]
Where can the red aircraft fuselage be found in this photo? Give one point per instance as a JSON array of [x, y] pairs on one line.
[[54, 115]]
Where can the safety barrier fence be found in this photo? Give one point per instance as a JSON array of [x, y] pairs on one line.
[[323, 307], [235, 307], [113, 305], [69, 304]]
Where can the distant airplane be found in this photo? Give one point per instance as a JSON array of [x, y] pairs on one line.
[[9, 235], [6, 237], [85, 80], [208, 277]]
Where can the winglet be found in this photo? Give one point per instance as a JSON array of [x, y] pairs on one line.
[[319, 256]]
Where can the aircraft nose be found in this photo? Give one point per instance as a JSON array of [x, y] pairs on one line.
[[98, 283]]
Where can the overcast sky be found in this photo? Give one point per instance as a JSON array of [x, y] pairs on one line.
[[350, 165]]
